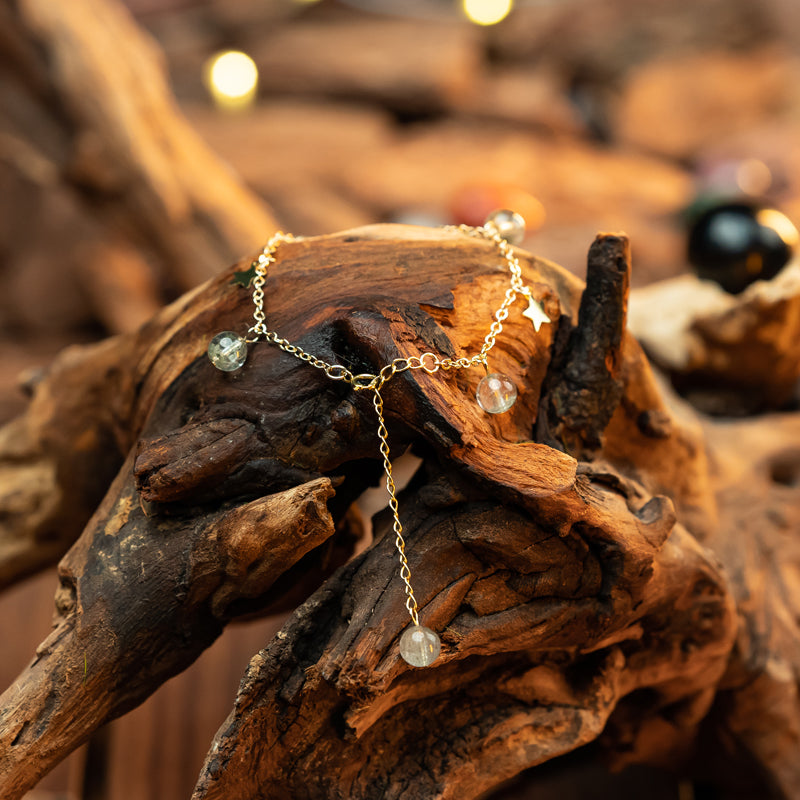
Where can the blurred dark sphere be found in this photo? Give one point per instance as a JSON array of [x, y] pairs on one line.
[[738, 243]]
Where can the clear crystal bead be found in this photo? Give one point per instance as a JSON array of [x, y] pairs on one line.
[[227, 351], [419, 646], [509, 224], [496, 393]]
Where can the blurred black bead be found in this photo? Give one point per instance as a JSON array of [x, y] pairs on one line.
[[736, 244]]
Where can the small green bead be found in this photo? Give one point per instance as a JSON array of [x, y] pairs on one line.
[[227, 351], [419, 646], [496, 393]]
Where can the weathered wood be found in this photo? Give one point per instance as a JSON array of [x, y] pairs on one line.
[[730, 354], [429, 167], [586, 386], [189, 578], [57, 461], [225, 483], [730, 716], [757, 711], [568, 599], [358, 57], [540, 644], [680, 104]]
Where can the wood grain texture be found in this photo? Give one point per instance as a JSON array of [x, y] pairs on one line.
[[564, 590], [587, 387]]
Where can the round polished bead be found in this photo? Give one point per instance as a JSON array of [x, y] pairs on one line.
[[227, 351], [509, 224], [419, 646], [496, 393], [736, 244]]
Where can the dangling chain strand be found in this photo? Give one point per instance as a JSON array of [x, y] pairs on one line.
[[419, 646], [397, 526]]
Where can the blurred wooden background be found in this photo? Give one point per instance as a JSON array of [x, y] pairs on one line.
[[586, 115]]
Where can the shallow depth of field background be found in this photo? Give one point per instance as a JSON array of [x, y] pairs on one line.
[[584, 115]]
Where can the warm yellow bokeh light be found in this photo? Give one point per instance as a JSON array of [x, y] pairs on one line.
[[232, 78], [780, 223], [486, 12]]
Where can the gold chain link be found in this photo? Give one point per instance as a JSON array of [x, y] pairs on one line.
[[429, 362], [397, 527]]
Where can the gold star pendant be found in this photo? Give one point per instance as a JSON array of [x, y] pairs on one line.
[[535, 313]]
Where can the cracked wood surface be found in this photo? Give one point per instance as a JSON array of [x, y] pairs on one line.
[[565, 591]]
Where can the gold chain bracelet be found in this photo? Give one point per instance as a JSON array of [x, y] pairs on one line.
[[496, 393]]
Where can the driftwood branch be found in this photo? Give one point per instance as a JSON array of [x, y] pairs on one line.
[[538, 652], [80, 121], [730, 354], [574, 598]]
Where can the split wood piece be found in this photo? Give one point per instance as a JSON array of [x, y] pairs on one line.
[[681, 104], [728, 354], [544, 631], [92, 105], [300, 176], [587, 384], [199, 446]]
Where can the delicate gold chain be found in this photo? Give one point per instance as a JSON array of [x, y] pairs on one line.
[[397, 527], [261, 265], [429, 362], [517, 286]]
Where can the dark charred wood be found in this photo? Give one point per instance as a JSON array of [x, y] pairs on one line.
[[588, 385]]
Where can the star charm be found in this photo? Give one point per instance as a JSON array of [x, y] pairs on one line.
[[244, 277], [535, 313]]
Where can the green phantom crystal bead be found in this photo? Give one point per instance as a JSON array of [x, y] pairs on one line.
[[227, 351], [496, 393], [419, 646]]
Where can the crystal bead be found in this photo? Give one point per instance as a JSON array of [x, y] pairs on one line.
[[509, 224], [419, 646], [496, 393], [227, 351]]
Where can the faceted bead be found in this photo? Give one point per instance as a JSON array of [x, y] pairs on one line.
[[227, 351], [496, 393], [419, 646], [509, 224]]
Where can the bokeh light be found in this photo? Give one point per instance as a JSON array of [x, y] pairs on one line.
[[753, 177], [232, 79], [487, 12], [780, 223]]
